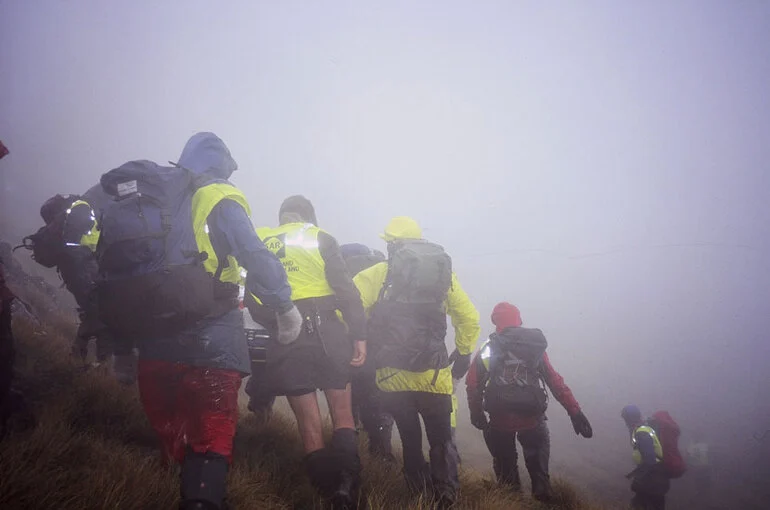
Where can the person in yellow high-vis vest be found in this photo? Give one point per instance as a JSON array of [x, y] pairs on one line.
[[649, 480], [416, 375], [79, 272], [327, 349], [189, 378]]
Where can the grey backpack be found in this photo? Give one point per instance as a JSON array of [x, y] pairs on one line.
[[407, 326], [419, 272]]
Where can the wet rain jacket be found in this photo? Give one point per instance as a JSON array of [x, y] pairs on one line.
[[219, 342], [465, 319]]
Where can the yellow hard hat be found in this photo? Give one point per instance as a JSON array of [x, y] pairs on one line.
[[402, 227]]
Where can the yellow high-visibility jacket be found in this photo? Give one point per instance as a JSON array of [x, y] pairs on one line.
[[465, 320]]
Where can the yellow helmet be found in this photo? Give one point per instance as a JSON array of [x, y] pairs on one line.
[[402, 227]]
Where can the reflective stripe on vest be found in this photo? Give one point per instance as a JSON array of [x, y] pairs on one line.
[[203, 202], [90, 238], [655, 441], [455, 406], [486, 353], [296, 246]]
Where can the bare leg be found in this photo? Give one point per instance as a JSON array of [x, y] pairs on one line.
[[308, 416], [341, 408]]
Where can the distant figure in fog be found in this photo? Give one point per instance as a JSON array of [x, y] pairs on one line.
[[650, 483], [698, 460], [508, 379]]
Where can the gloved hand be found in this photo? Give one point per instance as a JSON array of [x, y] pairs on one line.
[[289, 326], [124, 367], [479, 420], [581, 425], [461, 365]]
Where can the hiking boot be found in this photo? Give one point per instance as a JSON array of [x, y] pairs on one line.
[[345, 498]]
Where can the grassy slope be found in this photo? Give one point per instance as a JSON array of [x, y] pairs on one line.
[[93, 448]]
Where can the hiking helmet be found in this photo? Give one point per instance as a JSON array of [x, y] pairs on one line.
[[402, 227], [301, 206]]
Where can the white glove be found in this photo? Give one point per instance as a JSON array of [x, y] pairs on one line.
[[289, 326], [124, 367]]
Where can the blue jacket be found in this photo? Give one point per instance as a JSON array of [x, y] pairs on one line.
[[220, 342]]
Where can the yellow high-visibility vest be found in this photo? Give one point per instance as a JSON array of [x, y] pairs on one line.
[[655, 441], [90, 238], [296, 246], [203, 202]]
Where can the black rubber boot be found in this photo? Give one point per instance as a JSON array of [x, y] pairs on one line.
[[344, 448], [345, 496], [204, 481], [320, 472]]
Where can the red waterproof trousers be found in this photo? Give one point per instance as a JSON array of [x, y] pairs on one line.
[[189, 406]]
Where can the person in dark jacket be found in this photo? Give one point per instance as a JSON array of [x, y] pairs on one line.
[[323, 356], [367, 397], [7, 353], [503, 427], [12, 401], [72, 226], [649, 480], [189, 382]]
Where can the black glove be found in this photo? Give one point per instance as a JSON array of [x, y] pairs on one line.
[[581, 425], [461, 365], [479, 420]]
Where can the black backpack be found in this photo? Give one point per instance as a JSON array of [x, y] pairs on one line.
[[47, 244], [515, 383], [408, 324]]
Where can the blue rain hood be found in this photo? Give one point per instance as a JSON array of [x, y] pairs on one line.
[[206, 153]]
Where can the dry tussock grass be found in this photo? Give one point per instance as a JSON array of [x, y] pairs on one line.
[[93, 448]]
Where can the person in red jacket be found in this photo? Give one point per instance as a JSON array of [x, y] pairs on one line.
[[507, 379]]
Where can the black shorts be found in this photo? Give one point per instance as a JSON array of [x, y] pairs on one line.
[[312, 362]]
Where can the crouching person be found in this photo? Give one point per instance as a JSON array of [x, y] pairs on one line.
[[169, 253], [508, 378]]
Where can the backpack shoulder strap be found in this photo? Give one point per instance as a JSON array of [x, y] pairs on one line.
[[388, 275]]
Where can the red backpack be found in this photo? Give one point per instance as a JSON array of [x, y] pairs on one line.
[[668, 433]]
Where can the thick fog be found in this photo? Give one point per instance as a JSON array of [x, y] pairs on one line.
[[602, 165]]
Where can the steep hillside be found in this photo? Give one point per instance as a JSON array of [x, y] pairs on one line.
[[93, 449]]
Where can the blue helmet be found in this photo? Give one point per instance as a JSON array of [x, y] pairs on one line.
[[631, 414]]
